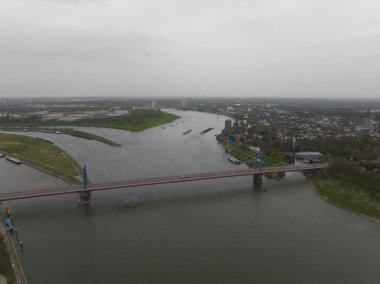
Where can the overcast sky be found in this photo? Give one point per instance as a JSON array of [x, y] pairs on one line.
[[190, 48]]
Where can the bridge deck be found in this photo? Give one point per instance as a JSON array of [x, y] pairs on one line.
[[155, 181]]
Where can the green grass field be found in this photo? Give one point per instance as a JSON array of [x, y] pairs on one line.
[[347, 194], [86, 135], [116, 123], [153, 122], [43, 155], [146, 123]]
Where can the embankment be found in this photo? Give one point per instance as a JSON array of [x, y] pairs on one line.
[[347, 195], [42, 155], [10, 266]]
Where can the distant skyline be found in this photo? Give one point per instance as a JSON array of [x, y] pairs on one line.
[[178, 48]]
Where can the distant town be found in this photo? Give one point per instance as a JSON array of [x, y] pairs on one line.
[[273, 125], [304, 120]]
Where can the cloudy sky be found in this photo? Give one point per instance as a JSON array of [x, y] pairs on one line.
[[309, 48]]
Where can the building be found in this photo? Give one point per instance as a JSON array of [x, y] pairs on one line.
[[228, 127], [307, 157]]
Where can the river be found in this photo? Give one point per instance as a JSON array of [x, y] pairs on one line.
[[220, 231]]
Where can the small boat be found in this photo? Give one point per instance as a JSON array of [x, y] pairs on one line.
[[187, 131], [233, 160], [13, 160], [2, 155]]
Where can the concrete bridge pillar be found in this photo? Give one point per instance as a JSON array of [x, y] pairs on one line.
[[258, 180]]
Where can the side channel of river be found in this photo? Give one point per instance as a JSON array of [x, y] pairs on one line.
[[221, 231]]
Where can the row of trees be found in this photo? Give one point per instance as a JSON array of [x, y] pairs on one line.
[[354, 148], [359, 148]]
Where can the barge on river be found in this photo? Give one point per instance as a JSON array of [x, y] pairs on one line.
[[206, 130], [13, 160], [233, 160]]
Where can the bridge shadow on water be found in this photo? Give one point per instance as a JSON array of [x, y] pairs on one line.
[[126, 200], [200, 195]]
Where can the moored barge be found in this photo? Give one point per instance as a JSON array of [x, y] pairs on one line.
[[206, 130], [13, 160]]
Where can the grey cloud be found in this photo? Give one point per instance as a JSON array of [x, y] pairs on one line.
[[76, 1], [182, 47], [85, 47]]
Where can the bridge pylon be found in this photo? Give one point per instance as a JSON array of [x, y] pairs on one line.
[[259, 161], [258, 179], [85, 195]]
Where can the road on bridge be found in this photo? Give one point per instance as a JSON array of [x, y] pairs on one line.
[[156, 181]]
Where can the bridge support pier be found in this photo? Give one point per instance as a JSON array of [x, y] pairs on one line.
[[85, 195], [258, 180]]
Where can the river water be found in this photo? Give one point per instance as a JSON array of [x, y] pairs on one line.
[[221, 231]]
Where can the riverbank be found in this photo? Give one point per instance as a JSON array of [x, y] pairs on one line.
[[138, 122], [88, 136], [246, 155], [10, 266], [143, 124], [68, 131], [347, 195], [42, 155], [6, 269]]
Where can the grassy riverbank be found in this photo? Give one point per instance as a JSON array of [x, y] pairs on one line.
[[347, 194], [247, 156], [85, 135], [72, 132], [6, 268], [133, 122], [143, 124], [42, 155]]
